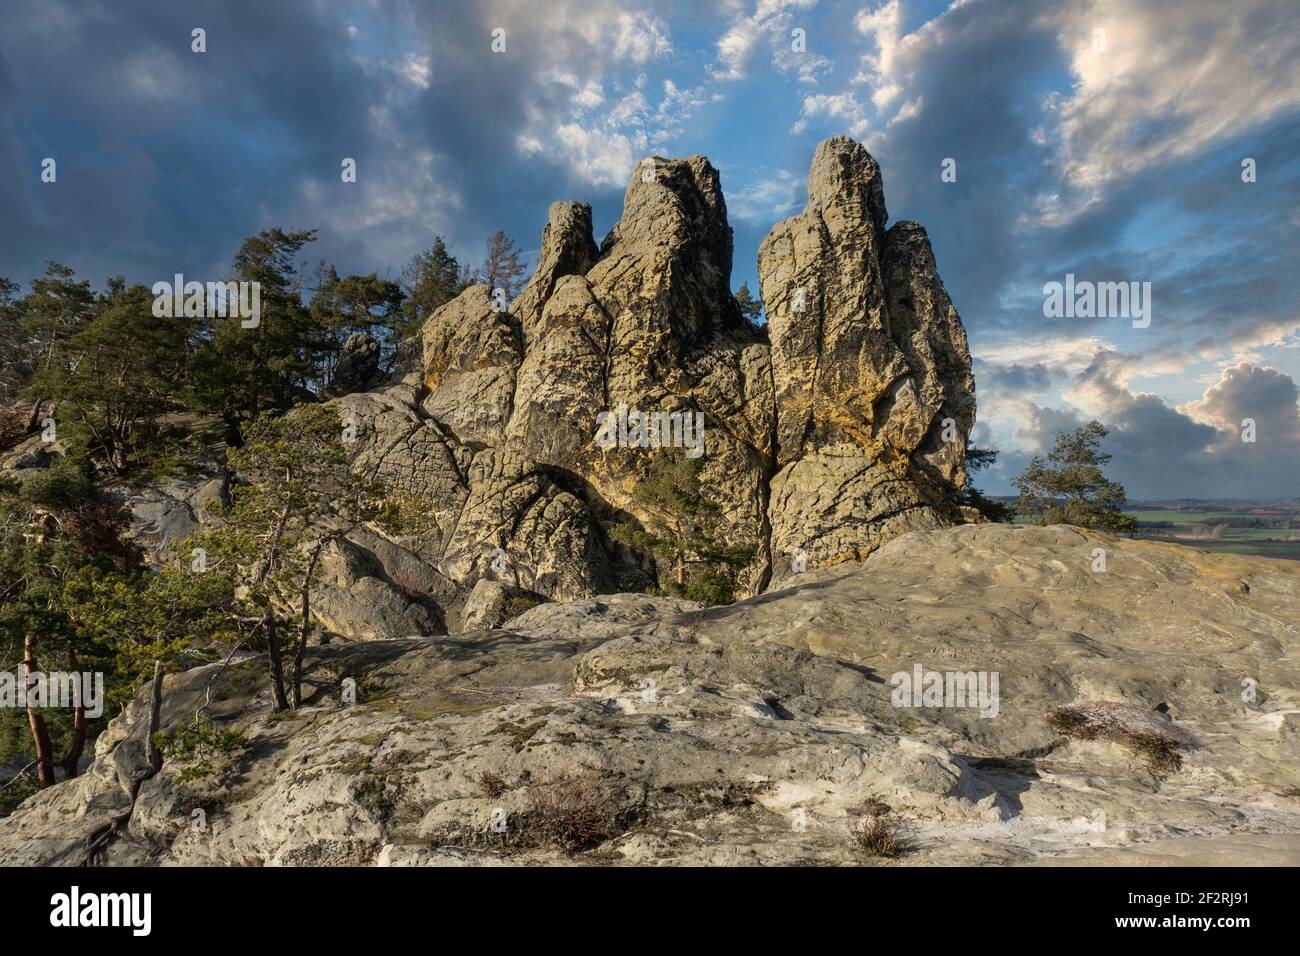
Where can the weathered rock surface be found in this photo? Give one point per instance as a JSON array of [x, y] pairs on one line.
[[869, 359], [829, 439], [754, 733]]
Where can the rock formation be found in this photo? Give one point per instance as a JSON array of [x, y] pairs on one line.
[[756, 733], [358, 366], [828, 440]]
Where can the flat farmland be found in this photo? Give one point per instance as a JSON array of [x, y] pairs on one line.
[[1213, 531]]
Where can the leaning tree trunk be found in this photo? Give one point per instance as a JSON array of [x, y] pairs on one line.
[[35, 415], [71, 763], [275, 663], [305, 629], [35, 720], [152, 752]]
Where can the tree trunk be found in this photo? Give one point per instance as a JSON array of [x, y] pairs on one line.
[[40, 732], [303, 632], [72, 761], [679, 556], [275, 664], [35, 416], [274, 661], [152, 753]]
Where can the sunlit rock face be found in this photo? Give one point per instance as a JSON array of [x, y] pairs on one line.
[[834, 429]]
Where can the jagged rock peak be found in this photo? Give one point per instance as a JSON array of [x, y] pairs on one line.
[[822, 435], [844, 176], [567, 249]]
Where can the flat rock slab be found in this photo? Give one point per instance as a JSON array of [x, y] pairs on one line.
[[629, 729]]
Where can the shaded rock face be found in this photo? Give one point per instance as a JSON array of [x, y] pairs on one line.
[[823, 435], [358, 366], [757, 733]]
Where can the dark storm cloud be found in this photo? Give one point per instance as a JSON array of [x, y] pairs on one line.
[[168, 157], [1013, 379], [973, 94], [1191, 451]]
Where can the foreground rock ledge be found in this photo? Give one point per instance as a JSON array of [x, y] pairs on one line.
[[767, 727]]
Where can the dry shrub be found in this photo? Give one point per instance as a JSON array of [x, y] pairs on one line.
[[877, 832], [491, 784], [877, 835], [1139, 731], [576, 813]]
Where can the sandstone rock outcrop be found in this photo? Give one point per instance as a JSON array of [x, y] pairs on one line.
[[869, 363], [838, 427], [753, 734]]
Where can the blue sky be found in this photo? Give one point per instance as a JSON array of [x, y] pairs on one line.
[[1098, 137]]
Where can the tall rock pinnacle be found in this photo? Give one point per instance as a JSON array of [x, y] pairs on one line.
[[839, 426]]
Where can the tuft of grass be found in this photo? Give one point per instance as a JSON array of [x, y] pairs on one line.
[[491, 784], [876, 834], [1139, 731], [515, 605]]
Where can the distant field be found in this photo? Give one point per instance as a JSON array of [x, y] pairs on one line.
[[1193, 528], [1266, 549]]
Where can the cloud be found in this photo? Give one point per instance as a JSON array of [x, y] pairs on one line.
[[640, 37], [1244, 391], [584, 90], [1191, 451], [883, 26], [598, 157], [843, 108], [1013, 379], [768, 199], [1154, 83], [772, 21]]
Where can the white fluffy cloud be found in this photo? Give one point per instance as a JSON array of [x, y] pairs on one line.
[[596, 156], [771, 23], [591, 107], [843, 107], [1198, 71]]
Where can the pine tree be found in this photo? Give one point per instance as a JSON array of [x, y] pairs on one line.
[[117, 373], [293, 494], [58, 530], [1069, 488], [54, 309], [977, 459], [430, 279], [241, 372], [357, 303], [750, 307], [685, 533], [15, 367]]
